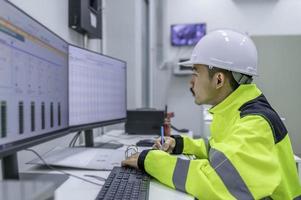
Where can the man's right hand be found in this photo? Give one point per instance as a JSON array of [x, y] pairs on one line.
[[168, 145]]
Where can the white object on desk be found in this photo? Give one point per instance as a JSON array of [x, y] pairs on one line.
[[298, 162]]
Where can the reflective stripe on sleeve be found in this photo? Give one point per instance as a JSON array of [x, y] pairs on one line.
[[229, 175], [180, 174]]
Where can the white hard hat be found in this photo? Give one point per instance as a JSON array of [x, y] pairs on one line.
[[226, 49]]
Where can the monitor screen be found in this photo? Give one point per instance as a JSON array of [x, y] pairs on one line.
[[33, 78], [187, 34], [97, 87]]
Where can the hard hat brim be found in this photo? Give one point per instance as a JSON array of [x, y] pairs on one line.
[[186, 63]]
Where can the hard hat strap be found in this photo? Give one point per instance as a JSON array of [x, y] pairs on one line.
[[242, 78]]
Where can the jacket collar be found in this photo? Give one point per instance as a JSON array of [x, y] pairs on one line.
[[236, 99]]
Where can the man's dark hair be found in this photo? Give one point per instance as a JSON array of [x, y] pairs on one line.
[[227, 73]]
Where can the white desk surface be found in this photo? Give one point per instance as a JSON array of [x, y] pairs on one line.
[[298, 161], [77, 189]]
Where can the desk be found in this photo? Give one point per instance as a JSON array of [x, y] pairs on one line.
[[298, 163], [77, 189]]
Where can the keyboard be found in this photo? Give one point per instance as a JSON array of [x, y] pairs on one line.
[[126, 184]]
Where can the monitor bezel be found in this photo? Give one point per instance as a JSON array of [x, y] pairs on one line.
[[88, 126], [15, 146], [12, 147]]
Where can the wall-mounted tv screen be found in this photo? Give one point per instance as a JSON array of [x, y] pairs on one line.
[[187, 34]]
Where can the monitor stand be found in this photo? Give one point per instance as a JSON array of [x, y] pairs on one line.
[[89, 142], [10, 167], [10, 171]]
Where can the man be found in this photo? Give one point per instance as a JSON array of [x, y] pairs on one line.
[[249, 154]]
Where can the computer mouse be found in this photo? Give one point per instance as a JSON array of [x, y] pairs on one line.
[[146, 143]]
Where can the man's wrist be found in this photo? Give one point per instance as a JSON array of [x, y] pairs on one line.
[[142, 158], [179, 144]]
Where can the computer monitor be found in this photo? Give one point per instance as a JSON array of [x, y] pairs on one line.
[[187, 34], [33, 82], [97, 89]]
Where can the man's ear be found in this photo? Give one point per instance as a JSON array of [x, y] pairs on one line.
[[220, 80]]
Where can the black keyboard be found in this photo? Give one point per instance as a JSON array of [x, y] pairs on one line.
[[126, 184]]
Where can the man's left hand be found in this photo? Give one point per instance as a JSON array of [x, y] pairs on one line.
[[131, 161]]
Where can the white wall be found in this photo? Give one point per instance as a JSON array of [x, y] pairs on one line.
[[53, 14], [279, 70], [257, 17], [167, 89], [124, 38]]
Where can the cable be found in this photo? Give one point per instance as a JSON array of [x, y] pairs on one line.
[[61, 171], [116, 142], [130, 150], [112, 141], [184, 130], [77, 136], [96, 177], [71, 142], [74, 139], [118, 136]]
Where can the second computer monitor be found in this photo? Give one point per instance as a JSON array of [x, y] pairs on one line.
[[97, 88]]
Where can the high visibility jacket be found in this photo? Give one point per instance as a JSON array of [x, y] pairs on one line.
[[248, 156]]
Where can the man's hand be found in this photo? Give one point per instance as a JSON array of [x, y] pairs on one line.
[[168, 145], [131, 161]]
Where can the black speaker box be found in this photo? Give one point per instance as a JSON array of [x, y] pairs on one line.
[[85, 17], [144, 122]]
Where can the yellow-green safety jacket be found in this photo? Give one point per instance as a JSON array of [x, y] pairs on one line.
[[248, 156]]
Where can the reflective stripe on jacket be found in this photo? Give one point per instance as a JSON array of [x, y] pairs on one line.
[[248, 156]]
